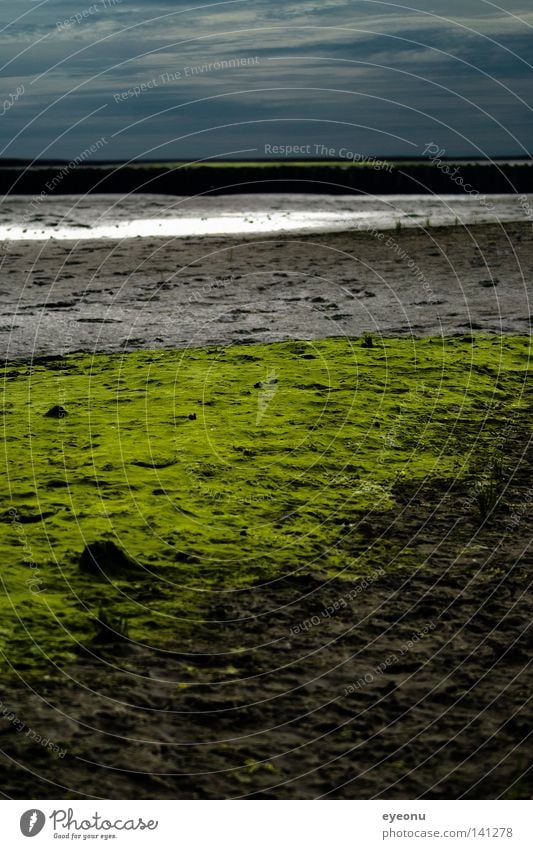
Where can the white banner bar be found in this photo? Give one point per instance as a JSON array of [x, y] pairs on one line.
[[267, 824]]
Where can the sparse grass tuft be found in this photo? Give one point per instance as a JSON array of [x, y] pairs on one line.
[[110, 628], [488, 489]]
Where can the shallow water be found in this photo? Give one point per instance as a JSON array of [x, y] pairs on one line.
[[114, 217]]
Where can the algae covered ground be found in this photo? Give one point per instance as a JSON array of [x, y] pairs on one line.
[[220, 469]]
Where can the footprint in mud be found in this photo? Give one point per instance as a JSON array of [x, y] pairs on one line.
[[99, 320]]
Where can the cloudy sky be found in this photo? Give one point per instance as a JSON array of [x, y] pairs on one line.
[[239, 77]]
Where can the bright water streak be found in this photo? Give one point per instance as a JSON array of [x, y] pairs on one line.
[[113, 217]]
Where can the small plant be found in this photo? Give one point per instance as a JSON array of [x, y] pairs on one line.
[[486, 498], [110, 628], [497, 469], [488, 489]]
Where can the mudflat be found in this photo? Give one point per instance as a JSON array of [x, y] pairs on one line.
[[321, 585], [58, 297], [289, 570]]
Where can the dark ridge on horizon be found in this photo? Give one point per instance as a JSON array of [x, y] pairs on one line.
[[7, 162], [376, 177]]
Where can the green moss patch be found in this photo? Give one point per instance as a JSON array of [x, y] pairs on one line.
[[218, 468]]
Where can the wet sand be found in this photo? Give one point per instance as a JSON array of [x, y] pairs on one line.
[[58, 297]]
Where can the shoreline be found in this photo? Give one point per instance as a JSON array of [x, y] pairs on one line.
[[71, 218]]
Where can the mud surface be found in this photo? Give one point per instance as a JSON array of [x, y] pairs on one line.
[[57, 297], [414, 685]]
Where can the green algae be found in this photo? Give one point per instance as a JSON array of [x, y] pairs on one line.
[[223, 467]]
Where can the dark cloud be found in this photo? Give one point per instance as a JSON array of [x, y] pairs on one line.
[[382, 78]]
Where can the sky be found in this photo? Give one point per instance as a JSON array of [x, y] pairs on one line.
[[115, 79]]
